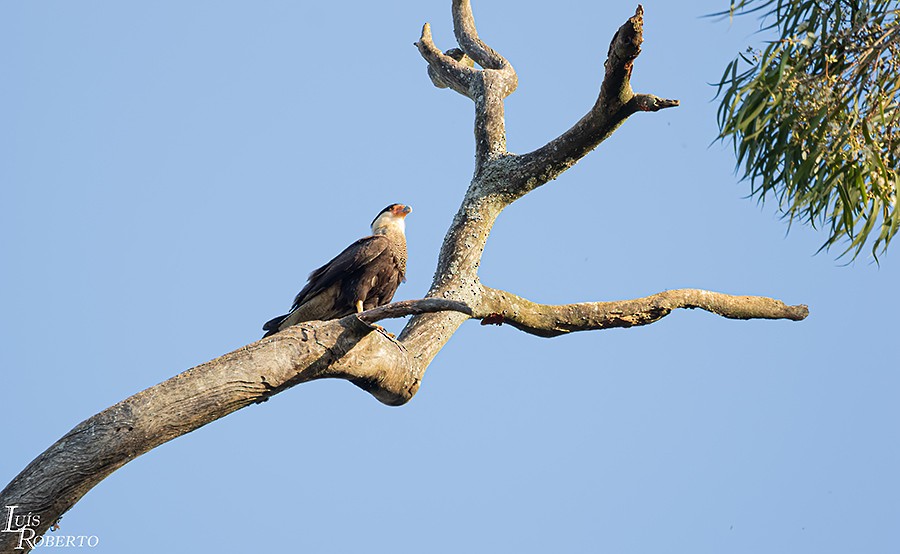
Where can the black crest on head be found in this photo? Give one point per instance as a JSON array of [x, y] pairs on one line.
[[389, 208]]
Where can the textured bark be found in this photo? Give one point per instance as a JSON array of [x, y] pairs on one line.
[[545, 320], [350, 348], [390, 369]]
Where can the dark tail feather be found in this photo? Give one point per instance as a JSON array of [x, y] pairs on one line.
[[271, 326]]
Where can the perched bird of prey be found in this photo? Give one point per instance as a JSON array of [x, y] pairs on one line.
[[364, 276]]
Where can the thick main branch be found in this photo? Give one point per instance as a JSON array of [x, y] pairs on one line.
[[348, 348]]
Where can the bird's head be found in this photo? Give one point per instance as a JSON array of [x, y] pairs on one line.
[[391, 218]]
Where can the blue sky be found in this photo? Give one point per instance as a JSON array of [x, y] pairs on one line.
[[172, 171]]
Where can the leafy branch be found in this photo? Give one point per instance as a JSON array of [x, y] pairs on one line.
[[814, 117]]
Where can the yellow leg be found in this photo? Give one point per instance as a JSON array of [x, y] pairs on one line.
[[359, 309]]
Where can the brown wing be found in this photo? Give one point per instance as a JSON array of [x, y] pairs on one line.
[[380, 280], [332, 290], [353, 260]]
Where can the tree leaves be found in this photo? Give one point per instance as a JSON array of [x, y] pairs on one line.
[[814, 117]]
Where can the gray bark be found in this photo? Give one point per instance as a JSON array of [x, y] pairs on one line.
[[390, 369]]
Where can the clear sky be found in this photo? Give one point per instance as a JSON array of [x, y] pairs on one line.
[[172, 171]]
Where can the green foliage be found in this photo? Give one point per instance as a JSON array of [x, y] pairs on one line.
[[814, 117]]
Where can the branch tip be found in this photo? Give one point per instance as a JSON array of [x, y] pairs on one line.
[[651, 103], [798, 312], [467, 37]]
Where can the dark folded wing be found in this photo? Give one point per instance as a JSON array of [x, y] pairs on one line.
[[352, 259]]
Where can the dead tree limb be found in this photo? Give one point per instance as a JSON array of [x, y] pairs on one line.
[[349, 348], [545, 320], [390, 369]]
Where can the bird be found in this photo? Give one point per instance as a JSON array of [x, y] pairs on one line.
[[364, 276]]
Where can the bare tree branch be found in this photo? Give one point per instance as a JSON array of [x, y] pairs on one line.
[[346, 349], [467, 37], [445, 71], [614, 105], [553, 320], [486, 87], [650, 103], [413, 307]]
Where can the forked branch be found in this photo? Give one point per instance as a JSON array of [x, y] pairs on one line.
[[615, 103], [486, 87]]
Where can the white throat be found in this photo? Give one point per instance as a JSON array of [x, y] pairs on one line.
[[387, 223]]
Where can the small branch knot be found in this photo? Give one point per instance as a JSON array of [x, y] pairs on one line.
[[460, 56], [457, 55]]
